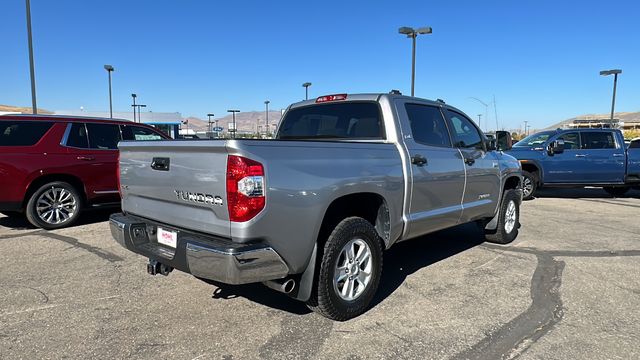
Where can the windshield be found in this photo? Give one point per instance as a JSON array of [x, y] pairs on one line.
[[347, 120], [535, 139]]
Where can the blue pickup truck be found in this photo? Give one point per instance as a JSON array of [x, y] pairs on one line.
[[577, 158]]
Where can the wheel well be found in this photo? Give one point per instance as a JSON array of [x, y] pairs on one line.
[[38, 182], [512, 183], [532, 168], [369, 206]]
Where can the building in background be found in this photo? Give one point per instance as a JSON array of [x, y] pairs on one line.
[[169, 123]]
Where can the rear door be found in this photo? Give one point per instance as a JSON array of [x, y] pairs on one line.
[[437, 170], [92, 151], [605, 157], [482, 190]]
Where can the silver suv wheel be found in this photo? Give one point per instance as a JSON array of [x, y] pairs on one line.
[[56, 206]]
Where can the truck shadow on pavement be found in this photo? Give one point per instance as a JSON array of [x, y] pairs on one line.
[[582, 193], [88, 217], [400, 261]]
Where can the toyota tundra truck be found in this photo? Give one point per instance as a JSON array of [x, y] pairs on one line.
[[310, 212]]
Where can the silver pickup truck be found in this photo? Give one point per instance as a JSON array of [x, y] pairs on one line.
[[310, 212]]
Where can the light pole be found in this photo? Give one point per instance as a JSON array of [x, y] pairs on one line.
[[139, 117], [306, 90], [134, 96], [479, 121], [109, 69], [615, 73], [266, 114], [31, 66], [233, 114], [486, 109], [413, 34], [210, 130]]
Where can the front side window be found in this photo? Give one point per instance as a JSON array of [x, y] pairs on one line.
[[78, 136], [464, 133], [139, 133], [427, 125], [22, 133], [598, 140], [103, 136], [348, 120], [535, 139], [571, 140]]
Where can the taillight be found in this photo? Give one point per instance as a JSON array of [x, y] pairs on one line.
[[245, 188], [328, 98]]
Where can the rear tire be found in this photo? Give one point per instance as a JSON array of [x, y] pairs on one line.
[[616, 191], [54, 205], [349, 272], [529, 185], [508, 220]]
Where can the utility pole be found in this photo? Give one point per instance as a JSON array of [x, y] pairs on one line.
[[134, 106]]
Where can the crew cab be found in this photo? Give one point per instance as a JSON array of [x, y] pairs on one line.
[[311, 212], [53, 167], [578, 158]]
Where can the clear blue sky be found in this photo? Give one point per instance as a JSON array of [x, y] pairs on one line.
[[539, 58]]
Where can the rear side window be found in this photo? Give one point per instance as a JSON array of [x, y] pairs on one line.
[[349, 120], [427, 125], [139, 133], [78, 136], [598, 140], [464, 132], [22, 133], [634, 144], [103, 136]]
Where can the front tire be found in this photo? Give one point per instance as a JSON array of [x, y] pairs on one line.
[[350, 271], [508, 220], [616, 191], [54, 205], [529, 185]]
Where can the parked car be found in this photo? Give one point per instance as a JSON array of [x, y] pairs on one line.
[[53, 167], [310, 213], [578, 158]]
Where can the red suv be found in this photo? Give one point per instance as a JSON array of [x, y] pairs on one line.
[[53, 167]]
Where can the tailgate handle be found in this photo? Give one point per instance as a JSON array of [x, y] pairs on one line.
[[160, 164]]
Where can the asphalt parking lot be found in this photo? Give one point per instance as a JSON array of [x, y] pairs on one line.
[[567, 288]]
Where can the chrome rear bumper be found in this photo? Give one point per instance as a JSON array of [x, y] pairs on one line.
[[208, 257]]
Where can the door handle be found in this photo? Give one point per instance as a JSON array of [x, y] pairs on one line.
[[418, 160], [85, 158], [160, 164], [618, 155], [469, 161], [581, 155]]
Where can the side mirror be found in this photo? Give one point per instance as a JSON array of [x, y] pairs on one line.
[[556, 147], [504, 141]]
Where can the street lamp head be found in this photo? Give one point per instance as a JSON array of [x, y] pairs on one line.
[[209, 114], [307, 84], [267, 102], [610, 72], [424, 30], [134, 96], [406, 30], [142, 105], [109, 68], [233, 111]]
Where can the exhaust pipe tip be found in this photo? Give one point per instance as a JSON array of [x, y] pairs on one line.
[[283, 285]]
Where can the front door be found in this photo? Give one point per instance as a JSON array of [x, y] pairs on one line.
[[567, 166], [437, 170], [482, 190]]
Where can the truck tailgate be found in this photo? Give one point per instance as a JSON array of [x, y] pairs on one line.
[[179, 183]]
